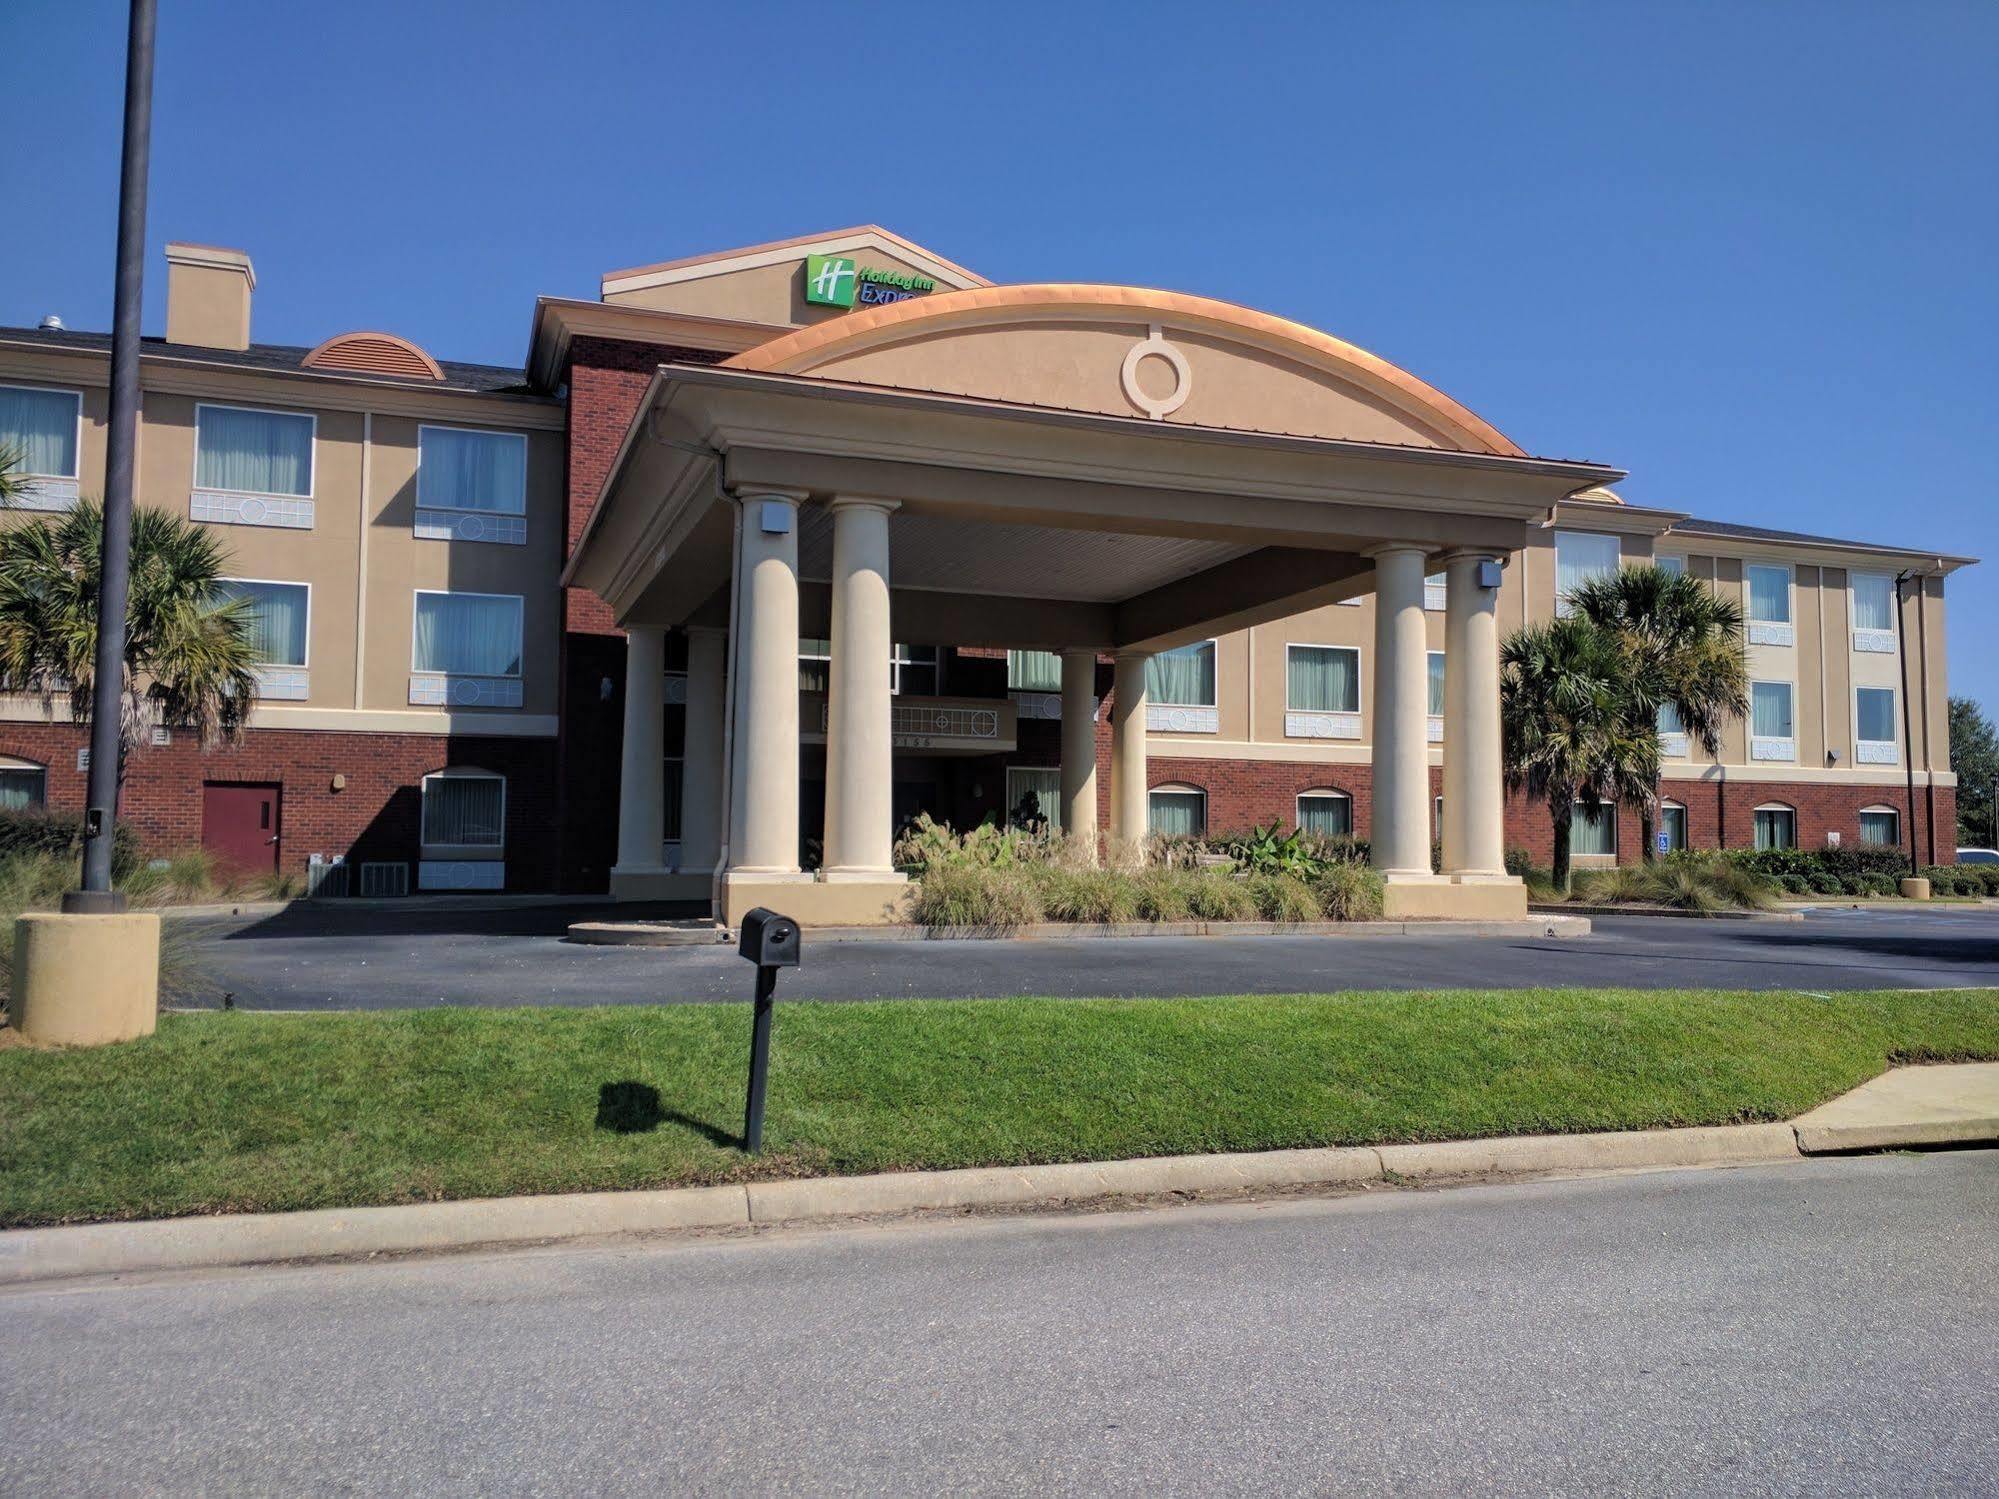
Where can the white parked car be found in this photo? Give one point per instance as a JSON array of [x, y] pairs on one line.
[[1978, 856]]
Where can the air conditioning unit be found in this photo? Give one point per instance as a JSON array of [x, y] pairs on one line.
[[385, 879], [326, 879]]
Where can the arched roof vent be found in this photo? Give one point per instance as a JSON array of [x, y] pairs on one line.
[[373, 354]]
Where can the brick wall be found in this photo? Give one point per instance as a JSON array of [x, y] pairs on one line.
[[375, 815]]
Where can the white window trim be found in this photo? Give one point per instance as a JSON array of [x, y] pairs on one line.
[[305, 665], [1213, 643], [1013, 797], [1770, 631], [467, 773], [1010, 684], [519, 437], [1671, 562], [1562, 599], [1608, 809], [1868, 641], [311, 452], [76, 448], [466, 593], [1436, 592], [1772, 747], [1877, 751], [1359, 666], [1667, 804], [899, 657], [1320, 794], [1178, 788], [1879, 809]]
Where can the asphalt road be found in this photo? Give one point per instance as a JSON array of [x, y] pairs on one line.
[[1828, 1327], [327, 958]]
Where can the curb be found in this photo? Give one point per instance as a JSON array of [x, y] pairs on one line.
[[442, 903], [1580, 908], [671, 934], [48, 1254]]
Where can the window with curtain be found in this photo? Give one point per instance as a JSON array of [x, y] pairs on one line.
[[1776, 827], [1673, 823], [1669, 720], [1322, 679], [1436, 684], [1328, 813], [1670, 564], [464, 810], [23, 788], [1033, 671], [1593, 832], [1042, 785], [1579, 557], [257, 452], [41, 426], [278, 618], [1882, 827], [1183, 678], [1770, 595], [460, 470], [470, 634], [1873, 602], [815, 665], [1177, 811], [1874, 714], [1770, 710]]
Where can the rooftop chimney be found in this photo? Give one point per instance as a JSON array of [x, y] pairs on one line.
[[208, 296]]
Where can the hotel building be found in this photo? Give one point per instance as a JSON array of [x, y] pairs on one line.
[[765, 551]]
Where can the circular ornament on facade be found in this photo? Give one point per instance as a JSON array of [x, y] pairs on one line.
[[985, 725], [1155, 346], [465, 692], [471, 528], [253, 511]]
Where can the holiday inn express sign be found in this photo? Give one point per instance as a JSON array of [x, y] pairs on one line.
[[841, 281]]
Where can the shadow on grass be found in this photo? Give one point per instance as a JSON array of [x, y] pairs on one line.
[[630, 1108]]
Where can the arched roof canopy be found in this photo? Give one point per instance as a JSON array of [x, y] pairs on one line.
[[1131, 351]]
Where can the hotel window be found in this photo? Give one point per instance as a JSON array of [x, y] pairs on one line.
[[1034, 791], [1033, 671], [471, 486], [465, 650], [1322, 679], [1594, 833], [41, 427], [1873, 613], [1874, 726], [1327, 813], [1667, 563], [464, 809], [1776, 827], [1673, 824], [1183, 678], [252, 468], [1769, 604], [1771, 734], [24, 786], [1881, 826], [815, 665], [1436, 592], [1580, 557], [1178, 811], [278, 615], [914, 670], [1672, 733]]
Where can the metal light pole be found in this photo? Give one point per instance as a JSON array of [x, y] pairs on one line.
[[107, 705]]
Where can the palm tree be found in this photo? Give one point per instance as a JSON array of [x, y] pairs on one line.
[[1682, 646], [1571, 735], [189, 656]]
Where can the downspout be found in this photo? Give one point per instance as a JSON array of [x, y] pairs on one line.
[[1908, 730], [1929, 755]]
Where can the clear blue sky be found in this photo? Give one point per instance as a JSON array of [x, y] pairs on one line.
[[1747, 252]]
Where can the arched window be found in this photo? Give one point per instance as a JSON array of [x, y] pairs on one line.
[[1594, 834], [1673, 824], [1776, 826], [1179, 811], [24, 785], [1881, 826], [1325, 811]]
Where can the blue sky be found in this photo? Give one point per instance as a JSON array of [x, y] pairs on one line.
[[1746, 252]]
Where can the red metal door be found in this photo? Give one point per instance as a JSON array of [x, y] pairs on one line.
[[239, 825]]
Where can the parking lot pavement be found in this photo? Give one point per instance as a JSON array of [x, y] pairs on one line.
[[321, 958]]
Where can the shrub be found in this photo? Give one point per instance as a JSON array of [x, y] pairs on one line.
[[1795, 884], [1214, 896], [1349, 892], [986, 897], [1987, 876], [1281, 897], [1160, 895], [61, 833], [1944, 880], [1096, 895], [1880, 884]]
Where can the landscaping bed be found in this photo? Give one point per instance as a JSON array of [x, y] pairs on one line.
[[237, 1112]]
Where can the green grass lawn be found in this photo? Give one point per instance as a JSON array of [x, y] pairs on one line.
[[236, 1112]]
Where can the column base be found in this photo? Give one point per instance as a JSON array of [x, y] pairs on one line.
[[860, 875], [660, 883], [1441, 898], [874, 901]]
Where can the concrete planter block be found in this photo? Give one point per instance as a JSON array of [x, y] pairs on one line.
[[1915, 888], [86, 980]]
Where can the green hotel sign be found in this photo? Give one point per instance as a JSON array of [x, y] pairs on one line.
[[842, 281]]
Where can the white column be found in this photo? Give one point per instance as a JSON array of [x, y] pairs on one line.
[[642, 767], [763, 802], [701, 755], [1400, 837], [1128, 790], [1079, 748], [1474, 792], [859, 749]]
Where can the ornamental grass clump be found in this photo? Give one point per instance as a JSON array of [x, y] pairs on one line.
[[1161, 895], [1282, 897], [1101, 896], [982, 898], [1349, 892], [1213, 895]]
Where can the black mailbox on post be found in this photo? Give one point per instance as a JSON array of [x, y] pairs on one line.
[[769, 940]]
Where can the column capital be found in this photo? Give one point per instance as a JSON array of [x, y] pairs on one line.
[[1395, 548], [863, 502], [743, 494], [1122, 653], [1473, 554]]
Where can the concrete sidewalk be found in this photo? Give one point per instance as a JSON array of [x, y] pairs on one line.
[[1955, 1104], [1946, 1105]]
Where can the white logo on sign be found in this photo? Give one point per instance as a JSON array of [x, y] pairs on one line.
[[831, 274]]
